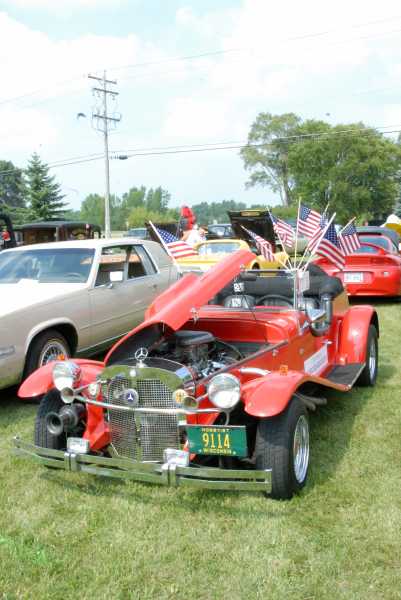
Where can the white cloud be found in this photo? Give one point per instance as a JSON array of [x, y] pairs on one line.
[[192, 118]]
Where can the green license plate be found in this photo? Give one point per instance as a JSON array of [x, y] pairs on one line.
[[217, 439]]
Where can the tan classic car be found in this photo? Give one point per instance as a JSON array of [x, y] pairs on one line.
[[74, 298]]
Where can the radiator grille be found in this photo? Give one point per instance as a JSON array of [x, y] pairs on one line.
[[157, 432]]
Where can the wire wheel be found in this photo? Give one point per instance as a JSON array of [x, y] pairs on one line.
[[51, 351]]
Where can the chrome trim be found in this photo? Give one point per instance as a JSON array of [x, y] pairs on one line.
[[169, 475], [162, 411], [253, 371]]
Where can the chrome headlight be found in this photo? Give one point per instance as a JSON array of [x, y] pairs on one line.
[[65, 374], [224, 391]]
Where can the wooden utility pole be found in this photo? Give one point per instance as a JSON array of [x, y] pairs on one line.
[[106, 120]]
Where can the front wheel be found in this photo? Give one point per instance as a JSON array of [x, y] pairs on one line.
[[369, 374], [45, 348], [282, 444]]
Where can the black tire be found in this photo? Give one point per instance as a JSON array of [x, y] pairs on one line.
[[282, 444], [368, 376], [51, 402], [45, 348]]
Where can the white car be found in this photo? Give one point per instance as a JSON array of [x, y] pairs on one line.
[[74, 298]]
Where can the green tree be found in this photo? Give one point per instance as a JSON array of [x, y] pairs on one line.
[[157, 200], [353, 172], [10, 182], [41, 191], [397, 204], [206, 213], [266, 153], [92, 209]]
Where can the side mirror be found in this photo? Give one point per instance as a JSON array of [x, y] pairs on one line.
[[316, 315]]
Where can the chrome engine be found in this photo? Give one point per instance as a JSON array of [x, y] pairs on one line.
[[198, 350]]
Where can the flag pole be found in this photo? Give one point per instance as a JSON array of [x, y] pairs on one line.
[[165, 247], [282, 244], [349, 223], [296, 235], [306, 249], [317, 245]]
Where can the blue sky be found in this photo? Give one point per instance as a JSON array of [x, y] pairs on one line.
[[339, 62]]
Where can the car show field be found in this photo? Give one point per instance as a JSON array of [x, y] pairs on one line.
[[338, 539]]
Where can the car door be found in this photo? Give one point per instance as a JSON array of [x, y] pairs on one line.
[[126, 284]]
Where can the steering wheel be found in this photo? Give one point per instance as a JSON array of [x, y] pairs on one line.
[[284, 299]]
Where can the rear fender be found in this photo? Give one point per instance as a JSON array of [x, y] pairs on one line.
[[270, 394], [354, 333], [41, 381]]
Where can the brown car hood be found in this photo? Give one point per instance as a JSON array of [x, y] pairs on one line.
[[178, 304]]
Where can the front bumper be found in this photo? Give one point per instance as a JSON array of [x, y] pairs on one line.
[[164, 474]]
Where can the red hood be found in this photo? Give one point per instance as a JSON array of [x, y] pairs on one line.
[[173, 307]]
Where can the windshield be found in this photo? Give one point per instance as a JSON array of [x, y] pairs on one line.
[[61, 265], [377, 240], [218, 248], [250, 289]]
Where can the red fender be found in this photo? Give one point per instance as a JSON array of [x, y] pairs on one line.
[[41, 381], [353, 334], [270, 394]]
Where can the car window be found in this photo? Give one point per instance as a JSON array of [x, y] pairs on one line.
[[59, 265], [377, 240], [145, 259], [218, 248], [366, 249], [113, 259], [253, 248]]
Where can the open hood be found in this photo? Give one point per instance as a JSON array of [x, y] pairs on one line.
[[178, 304], [257, 221]]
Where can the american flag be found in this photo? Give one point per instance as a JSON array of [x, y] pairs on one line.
[[174, 247], [308, 220], [330, 248], [263, 246], [318, 233], [349, 239], [282, 229]]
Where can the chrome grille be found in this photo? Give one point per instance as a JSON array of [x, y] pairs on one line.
[[157, 432]]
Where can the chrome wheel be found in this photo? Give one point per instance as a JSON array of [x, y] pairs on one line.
[[301, 449], [51, 351], [372, 358]]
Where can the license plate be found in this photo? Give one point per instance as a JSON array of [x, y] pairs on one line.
[[353, 277], [217, 439]]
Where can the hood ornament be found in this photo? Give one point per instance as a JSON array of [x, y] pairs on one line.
[[140, 356]]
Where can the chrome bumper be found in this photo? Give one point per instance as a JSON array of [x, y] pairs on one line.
[[165, 474]]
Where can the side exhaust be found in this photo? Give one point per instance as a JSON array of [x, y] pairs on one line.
[[68, 415]]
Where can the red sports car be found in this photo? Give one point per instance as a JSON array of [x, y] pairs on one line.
[[213, 389], [372, 270]]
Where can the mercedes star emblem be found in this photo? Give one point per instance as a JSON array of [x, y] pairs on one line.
[[141, 354]]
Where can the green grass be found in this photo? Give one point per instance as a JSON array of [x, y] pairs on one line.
[[70, 535]]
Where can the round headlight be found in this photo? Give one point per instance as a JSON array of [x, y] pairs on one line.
[[65, 374], [224, 391]]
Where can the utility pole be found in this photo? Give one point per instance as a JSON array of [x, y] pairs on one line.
[[103, 117]]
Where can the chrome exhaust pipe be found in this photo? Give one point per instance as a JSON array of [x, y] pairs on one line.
[[68, 415]]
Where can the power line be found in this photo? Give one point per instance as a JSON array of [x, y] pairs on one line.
[[219, 52]]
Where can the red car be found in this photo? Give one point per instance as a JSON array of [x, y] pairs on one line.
[[372, 270], [214, 388]]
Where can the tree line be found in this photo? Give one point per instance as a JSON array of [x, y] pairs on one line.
[[352, 167]]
